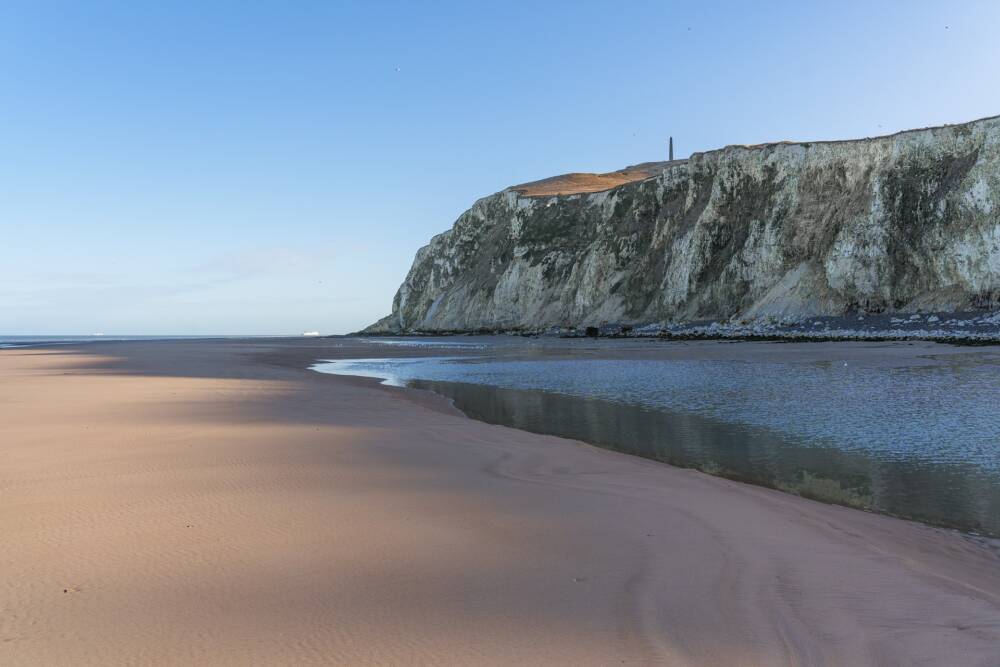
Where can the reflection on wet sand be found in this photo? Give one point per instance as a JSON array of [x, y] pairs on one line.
[[899, 429], [942, 494]]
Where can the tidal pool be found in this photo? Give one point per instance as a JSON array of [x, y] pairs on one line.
[[916, 440]]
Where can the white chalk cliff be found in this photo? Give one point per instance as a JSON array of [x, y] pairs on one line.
[[896, 223]]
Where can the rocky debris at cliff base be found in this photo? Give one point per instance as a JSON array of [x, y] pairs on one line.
[[967, 328]]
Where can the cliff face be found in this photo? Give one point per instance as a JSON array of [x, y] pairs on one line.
[[904, 222]]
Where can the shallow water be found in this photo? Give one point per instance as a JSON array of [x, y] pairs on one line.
[[919, 441]]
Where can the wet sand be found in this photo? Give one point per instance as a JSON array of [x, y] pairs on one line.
[[216, 503]]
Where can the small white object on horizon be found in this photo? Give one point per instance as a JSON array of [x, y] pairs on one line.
[[311, 334]]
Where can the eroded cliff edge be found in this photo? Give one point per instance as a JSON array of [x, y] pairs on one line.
[[902, 223]]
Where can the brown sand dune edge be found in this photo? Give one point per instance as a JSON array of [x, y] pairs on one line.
[[215, 503]]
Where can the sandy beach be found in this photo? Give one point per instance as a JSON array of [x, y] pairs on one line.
[[217, 503]]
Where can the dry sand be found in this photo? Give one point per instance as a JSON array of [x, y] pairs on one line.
[[214, 503]]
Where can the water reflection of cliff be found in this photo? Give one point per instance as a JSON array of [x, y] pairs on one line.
[[956, 495]]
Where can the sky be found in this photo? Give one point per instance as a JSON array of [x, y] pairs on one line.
[[272, 167]]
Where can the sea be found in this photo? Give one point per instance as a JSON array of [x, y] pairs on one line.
[[75, 339]]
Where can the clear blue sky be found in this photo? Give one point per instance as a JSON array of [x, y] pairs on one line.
[[255, 167]]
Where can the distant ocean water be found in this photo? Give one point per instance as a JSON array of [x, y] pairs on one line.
[[43, 341]]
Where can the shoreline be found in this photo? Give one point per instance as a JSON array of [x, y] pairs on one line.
[[742, 478], [218, 502], [813, 485], [967, 328]]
